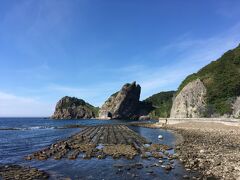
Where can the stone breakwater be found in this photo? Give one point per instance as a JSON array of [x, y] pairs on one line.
[[101, 141], [211, 148]]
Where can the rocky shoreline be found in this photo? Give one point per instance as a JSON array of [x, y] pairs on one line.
[[18, 172], [211, 148], [102, 141]]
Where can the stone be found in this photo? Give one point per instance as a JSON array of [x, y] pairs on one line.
[[186, 177], [168, 167], [144, 118]]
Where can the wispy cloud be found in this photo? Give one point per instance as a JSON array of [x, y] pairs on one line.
[[192, 54], [95, 94], [12, 105]]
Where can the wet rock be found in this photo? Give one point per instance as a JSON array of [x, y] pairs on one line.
[[139, 165], [160, 161], [168, 167], [17, 172], [150, 171], [186, 177]]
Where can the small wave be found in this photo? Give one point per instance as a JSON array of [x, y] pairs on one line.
[[40, 127], [28, 128]]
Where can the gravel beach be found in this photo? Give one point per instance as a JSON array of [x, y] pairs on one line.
[[209, 147]]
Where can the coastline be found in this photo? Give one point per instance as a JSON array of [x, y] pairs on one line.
[[210, 147]]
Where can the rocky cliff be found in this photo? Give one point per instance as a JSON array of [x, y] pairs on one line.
[[123, 104], [190, 102], [236, 108], [73, 108], [221, 78]]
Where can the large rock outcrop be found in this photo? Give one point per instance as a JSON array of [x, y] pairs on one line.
[[123, 104], [236, 108], [190, 101], [222, 81], [73, 108]]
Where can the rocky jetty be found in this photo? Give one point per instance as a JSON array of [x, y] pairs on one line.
[[102, 141], [123, 104], [190, 101], [74, 108]]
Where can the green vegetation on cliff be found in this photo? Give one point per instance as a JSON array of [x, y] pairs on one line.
[[73, 101], [162, 103], [222, 80], [75, 105]]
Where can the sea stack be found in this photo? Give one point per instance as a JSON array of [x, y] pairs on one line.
[[74, 108], [122, 104]]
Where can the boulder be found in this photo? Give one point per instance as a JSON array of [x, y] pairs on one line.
[[144, 118]]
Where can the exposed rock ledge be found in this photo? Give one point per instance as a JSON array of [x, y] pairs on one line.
[[190, 102], [73, 108]]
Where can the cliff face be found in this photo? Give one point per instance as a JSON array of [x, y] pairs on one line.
[[221, 79], [190, 102], [123, 104], [236, 108], [73, 108]]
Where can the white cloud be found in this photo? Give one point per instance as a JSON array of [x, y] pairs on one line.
[[192, 54], [95, 94], [18, 106]]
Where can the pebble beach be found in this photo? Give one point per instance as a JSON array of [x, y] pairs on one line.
[[211, 148]]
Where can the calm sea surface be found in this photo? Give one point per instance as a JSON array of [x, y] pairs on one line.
[[22, 136]]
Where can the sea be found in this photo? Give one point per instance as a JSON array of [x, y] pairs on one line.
[[20, 137]]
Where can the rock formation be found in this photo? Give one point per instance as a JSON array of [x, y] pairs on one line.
[[73, 108], [221, 79], [236, 108], [123, 104], [190, 101]]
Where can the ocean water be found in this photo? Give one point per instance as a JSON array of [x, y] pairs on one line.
[[22, 136]]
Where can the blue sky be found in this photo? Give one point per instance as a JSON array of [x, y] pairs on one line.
[[90, 48]]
